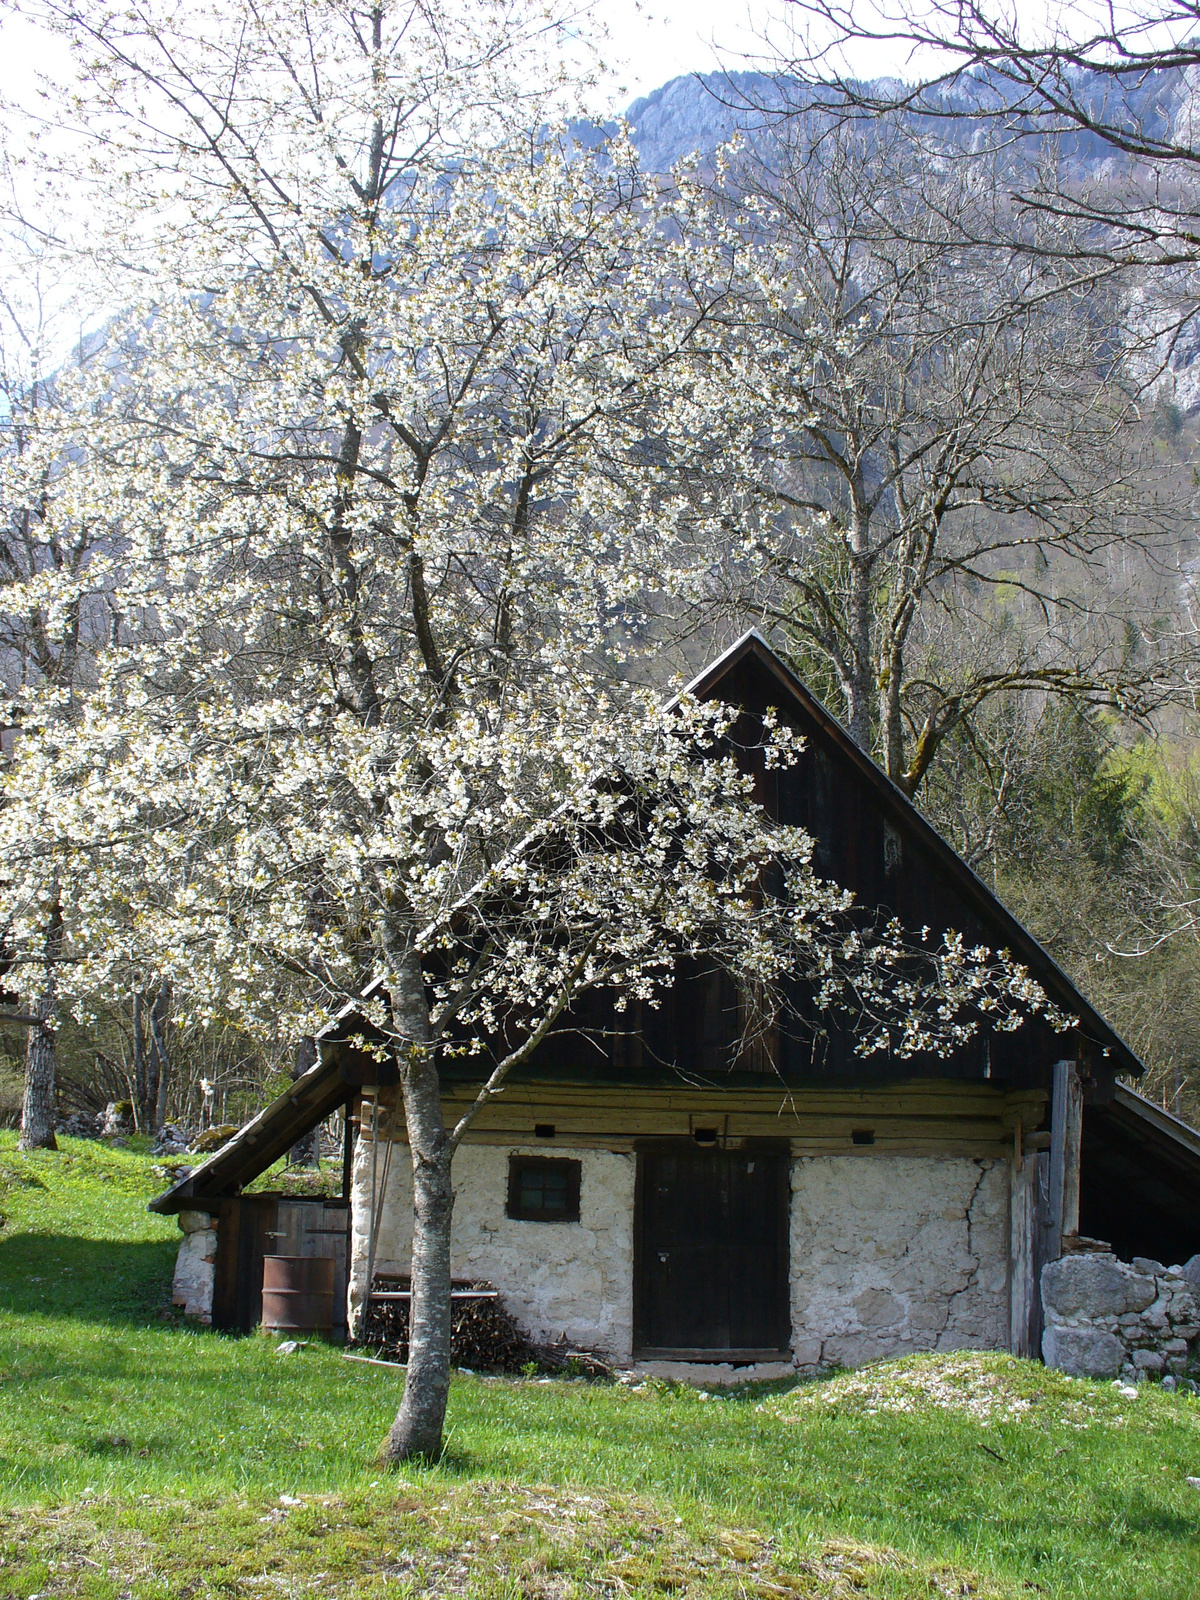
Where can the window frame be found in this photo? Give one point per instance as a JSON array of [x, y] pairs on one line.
[[519, 1164]]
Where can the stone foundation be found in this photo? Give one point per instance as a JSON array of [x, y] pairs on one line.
[[196, 1265], [1106, 1318], [896, 1253]]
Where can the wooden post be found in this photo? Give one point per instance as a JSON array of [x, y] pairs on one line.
[[1023, 1259], [349, 1118], [1066, 1133], [1072, 1152]]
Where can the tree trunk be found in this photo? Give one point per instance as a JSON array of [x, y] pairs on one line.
[[160, 1011], [859, 687], [37, 1105], [306, 1152], [891, 718], [141, 1087], [417, 1430], [151, 1064]]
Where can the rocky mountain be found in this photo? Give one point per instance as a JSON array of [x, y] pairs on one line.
[[694, 114]]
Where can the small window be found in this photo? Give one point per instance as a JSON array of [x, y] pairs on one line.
[[543, 1190], [862, 1136]]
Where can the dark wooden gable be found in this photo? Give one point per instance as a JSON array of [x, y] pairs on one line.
[[871, 840]]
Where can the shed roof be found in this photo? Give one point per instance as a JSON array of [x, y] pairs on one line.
[[1140, 1179], [306, 1101]]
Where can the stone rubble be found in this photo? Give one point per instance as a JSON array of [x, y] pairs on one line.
[[114, 1124], [1106, 1318], [172, 1139]]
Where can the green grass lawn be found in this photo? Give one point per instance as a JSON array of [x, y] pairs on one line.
[[140, 1457]]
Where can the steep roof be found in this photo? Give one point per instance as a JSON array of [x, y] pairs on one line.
[[991, 910], [306, 1101]]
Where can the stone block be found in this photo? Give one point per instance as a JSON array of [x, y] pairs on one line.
[[1083, 1352], [1149, 1360], [1191, 1271], [195, 1273], [195, 1221], [878, 1308], [1184, 1305], [1175, 1347], [1094, 1286], [1146, 1264]]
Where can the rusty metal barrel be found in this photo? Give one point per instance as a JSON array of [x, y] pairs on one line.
[[297, 1295]]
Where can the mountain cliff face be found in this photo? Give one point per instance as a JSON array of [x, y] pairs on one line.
[[694, 114], [699, 111]]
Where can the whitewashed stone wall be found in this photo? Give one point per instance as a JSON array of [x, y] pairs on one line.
[[897, 1253], [557, 1278], [888, 1253]]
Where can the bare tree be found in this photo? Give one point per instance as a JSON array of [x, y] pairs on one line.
[[1093, 108], [933, 474], [151, 1060]]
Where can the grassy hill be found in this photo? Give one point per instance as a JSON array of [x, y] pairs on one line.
[[143, 1458]]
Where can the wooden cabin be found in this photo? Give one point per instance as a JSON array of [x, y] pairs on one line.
[[646, 1192]]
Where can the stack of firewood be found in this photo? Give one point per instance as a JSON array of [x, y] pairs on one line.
[[483, 1336]]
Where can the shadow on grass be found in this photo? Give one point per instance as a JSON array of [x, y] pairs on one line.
[[96, 1280]]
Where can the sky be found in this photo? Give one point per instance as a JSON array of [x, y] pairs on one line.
[[651, 41], [660, 39], [655, 40]]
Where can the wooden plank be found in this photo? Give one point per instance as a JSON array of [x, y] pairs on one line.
[[225, 1277], [455, 1294], [932, 1117], [996, 1148], [1023, 1285], [1072, 1143], [1066, 1127], [643, 1125], [913, 1099]]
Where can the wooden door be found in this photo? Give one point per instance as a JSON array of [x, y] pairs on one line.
[[257, 1225], [711, 1266], [257, 1230]]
